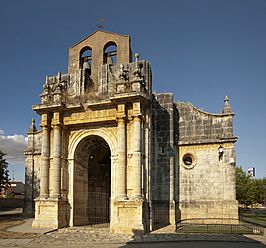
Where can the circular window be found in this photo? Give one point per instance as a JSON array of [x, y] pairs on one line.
[[189, 161]]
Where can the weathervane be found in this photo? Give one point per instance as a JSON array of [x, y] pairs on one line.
[[100, 23]]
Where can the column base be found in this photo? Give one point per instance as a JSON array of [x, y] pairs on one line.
[[172, 213], [51, 213], [121, 198], [128, 217], [136, 198]]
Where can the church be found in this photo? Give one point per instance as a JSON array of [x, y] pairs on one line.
[[110, 151]]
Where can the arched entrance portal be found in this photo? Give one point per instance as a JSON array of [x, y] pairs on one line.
[[92, 181]]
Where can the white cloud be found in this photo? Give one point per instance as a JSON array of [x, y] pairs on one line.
[[14, 146]]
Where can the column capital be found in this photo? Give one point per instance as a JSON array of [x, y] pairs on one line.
[[45, 127], [57, 119], [121, 118], [56, 125], [45, 120], [138, 117]]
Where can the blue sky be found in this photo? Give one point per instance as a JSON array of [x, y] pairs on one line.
[[200, 50]]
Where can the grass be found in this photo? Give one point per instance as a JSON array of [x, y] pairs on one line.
[[254, 216], [255, 220]]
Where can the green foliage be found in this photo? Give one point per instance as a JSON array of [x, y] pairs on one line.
[[249, 190], [4, 173]]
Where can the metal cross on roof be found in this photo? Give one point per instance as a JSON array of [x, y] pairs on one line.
[[100, 23]]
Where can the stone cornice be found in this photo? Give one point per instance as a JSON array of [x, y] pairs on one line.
[[129, 97], [44, 108], [206, 142]]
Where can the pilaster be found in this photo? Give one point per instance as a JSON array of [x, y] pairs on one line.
[[137, 163], [137, 153], [45, 160], [57, 154], [121, 154], [51, 211]]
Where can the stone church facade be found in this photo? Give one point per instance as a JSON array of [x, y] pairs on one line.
[[112, 151]]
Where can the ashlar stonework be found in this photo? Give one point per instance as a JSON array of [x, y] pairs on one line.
[[111, 151]]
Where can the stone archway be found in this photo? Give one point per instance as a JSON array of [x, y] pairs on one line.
[[92, 181]]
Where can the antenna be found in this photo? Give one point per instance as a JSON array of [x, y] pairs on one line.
[[100, 23]]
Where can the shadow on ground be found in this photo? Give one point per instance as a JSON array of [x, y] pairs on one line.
[[193, 240]]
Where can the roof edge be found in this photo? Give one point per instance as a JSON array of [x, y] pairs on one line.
[[103, 31], [207, 113]]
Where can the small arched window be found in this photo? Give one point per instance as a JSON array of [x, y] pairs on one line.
[[85, 59], [110, 53]]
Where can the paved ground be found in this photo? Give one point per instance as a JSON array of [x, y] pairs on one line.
[[89, 237], [19, 236]]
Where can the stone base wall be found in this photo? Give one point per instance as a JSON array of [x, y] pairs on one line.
[[127, 217], [210, 212], [51, 213]]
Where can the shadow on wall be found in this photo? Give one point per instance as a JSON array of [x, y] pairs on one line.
[[160, 167], [32, 191], [177, 163]]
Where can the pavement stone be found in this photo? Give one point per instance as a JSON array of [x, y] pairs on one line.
[[87, 236], [14, 242], [26, 227], [80, 235]]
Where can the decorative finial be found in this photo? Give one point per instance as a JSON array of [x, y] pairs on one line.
[[136, 57], [32, 128], [227, 108]]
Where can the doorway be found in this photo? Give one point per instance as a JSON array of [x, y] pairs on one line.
[[92, 181]]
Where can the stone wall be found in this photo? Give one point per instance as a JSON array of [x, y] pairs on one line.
[[163, 158], [197, 126], [10, 203], [206, 181]]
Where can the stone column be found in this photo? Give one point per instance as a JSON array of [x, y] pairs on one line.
[[121, 160], [113, 177], [57, 153], [136, 167], [45, 160]]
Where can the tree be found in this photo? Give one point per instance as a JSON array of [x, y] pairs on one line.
[[249, 190], [4, 173], [260, 190], [244, 187]]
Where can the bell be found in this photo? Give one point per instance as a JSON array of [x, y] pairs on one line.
[[109, 60]]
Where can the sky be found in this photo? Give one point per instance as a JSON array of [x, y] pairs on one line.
[[201, 50]]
